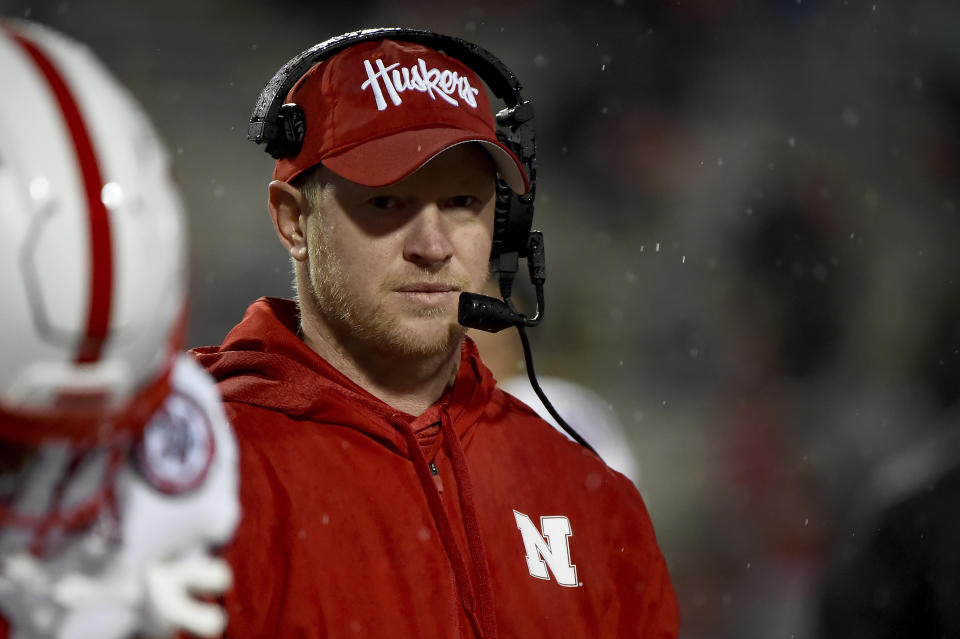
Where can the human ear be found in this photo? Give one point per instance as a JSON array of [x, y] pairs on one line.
[[288, 210]]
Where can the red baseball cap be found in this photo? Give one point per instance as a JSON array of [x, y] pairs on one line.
[[378, 111]]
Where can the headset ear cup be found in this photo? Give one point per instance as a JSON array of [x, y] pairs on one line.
[[514, 213], [291, 128], [512, 222], [501, 219]]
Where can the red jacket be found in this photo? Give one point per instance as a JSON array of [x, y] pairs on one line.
[[360, 520]]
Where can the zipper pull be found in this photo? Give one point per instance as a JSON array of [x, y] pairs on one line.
[[436, 477]]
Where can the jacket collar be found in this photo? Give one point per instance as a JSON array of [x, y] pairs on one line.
[[263, 362]]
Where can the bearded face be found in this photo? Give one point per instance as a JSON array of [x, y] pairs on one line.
[[387, 264]]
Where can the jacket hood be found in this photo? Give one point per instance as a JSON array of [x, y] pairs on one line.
[[263, 362]]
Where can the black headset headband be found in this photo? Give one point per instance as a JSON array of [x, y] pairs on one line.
[[281, 127]]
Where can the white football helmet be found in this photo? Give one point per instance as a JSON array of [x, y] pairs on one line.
[[118, 468], [92, 248]]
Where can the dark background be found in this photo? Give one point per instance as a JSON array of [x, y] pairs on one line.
[[750, 212]]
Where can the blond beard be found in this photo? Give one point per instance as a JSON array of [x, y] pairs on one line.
[[370, 326]]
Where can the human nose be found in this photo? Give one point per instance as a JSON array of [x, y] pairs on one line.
[[427, 243]]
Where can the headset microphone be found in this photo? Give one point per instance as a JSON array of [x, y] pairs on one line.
[[490, 314]]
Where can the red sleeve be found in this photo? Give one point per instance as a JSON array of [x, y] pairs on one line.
[[657, 614], [660, 603]]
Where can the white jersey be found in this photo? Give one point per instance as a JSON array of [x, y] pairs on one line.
[[173, 498], [589, 414]]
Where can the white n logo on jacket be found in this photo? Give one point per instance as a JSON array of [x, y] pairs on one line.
[[552, 548]]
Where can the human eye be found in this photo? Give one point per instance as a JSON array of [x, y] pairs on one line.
[[462, 202], [383, 202]]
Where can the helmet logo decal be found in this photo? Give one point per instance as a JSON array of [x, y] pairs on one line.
[[177, 447]]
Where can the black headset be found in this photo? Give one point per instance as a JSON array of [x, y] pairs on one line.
[[282, 128]]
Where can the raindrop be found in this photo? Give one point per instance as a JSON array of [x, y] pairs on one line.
[[593, 481], [850, 117]]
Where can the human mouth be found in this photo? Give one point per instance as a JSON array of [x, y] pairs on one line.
[[430, 293]]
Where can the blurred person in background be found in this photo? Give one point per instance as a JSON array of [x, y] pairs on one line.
[[894, 570], [117, 464], [896, 573], [390, 488]]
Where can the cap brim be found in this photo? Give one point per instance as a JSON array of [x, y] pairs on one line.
[[391, 158]]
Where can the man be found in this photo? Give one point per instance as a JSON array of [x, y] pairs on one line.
[[117, 464], [390, 489]]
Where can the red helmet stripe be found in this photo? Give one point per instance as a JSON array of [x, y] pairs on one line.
[[101, 254]]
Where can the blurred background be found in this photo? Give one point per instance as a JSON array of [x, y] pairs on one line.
[[750, 212]]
